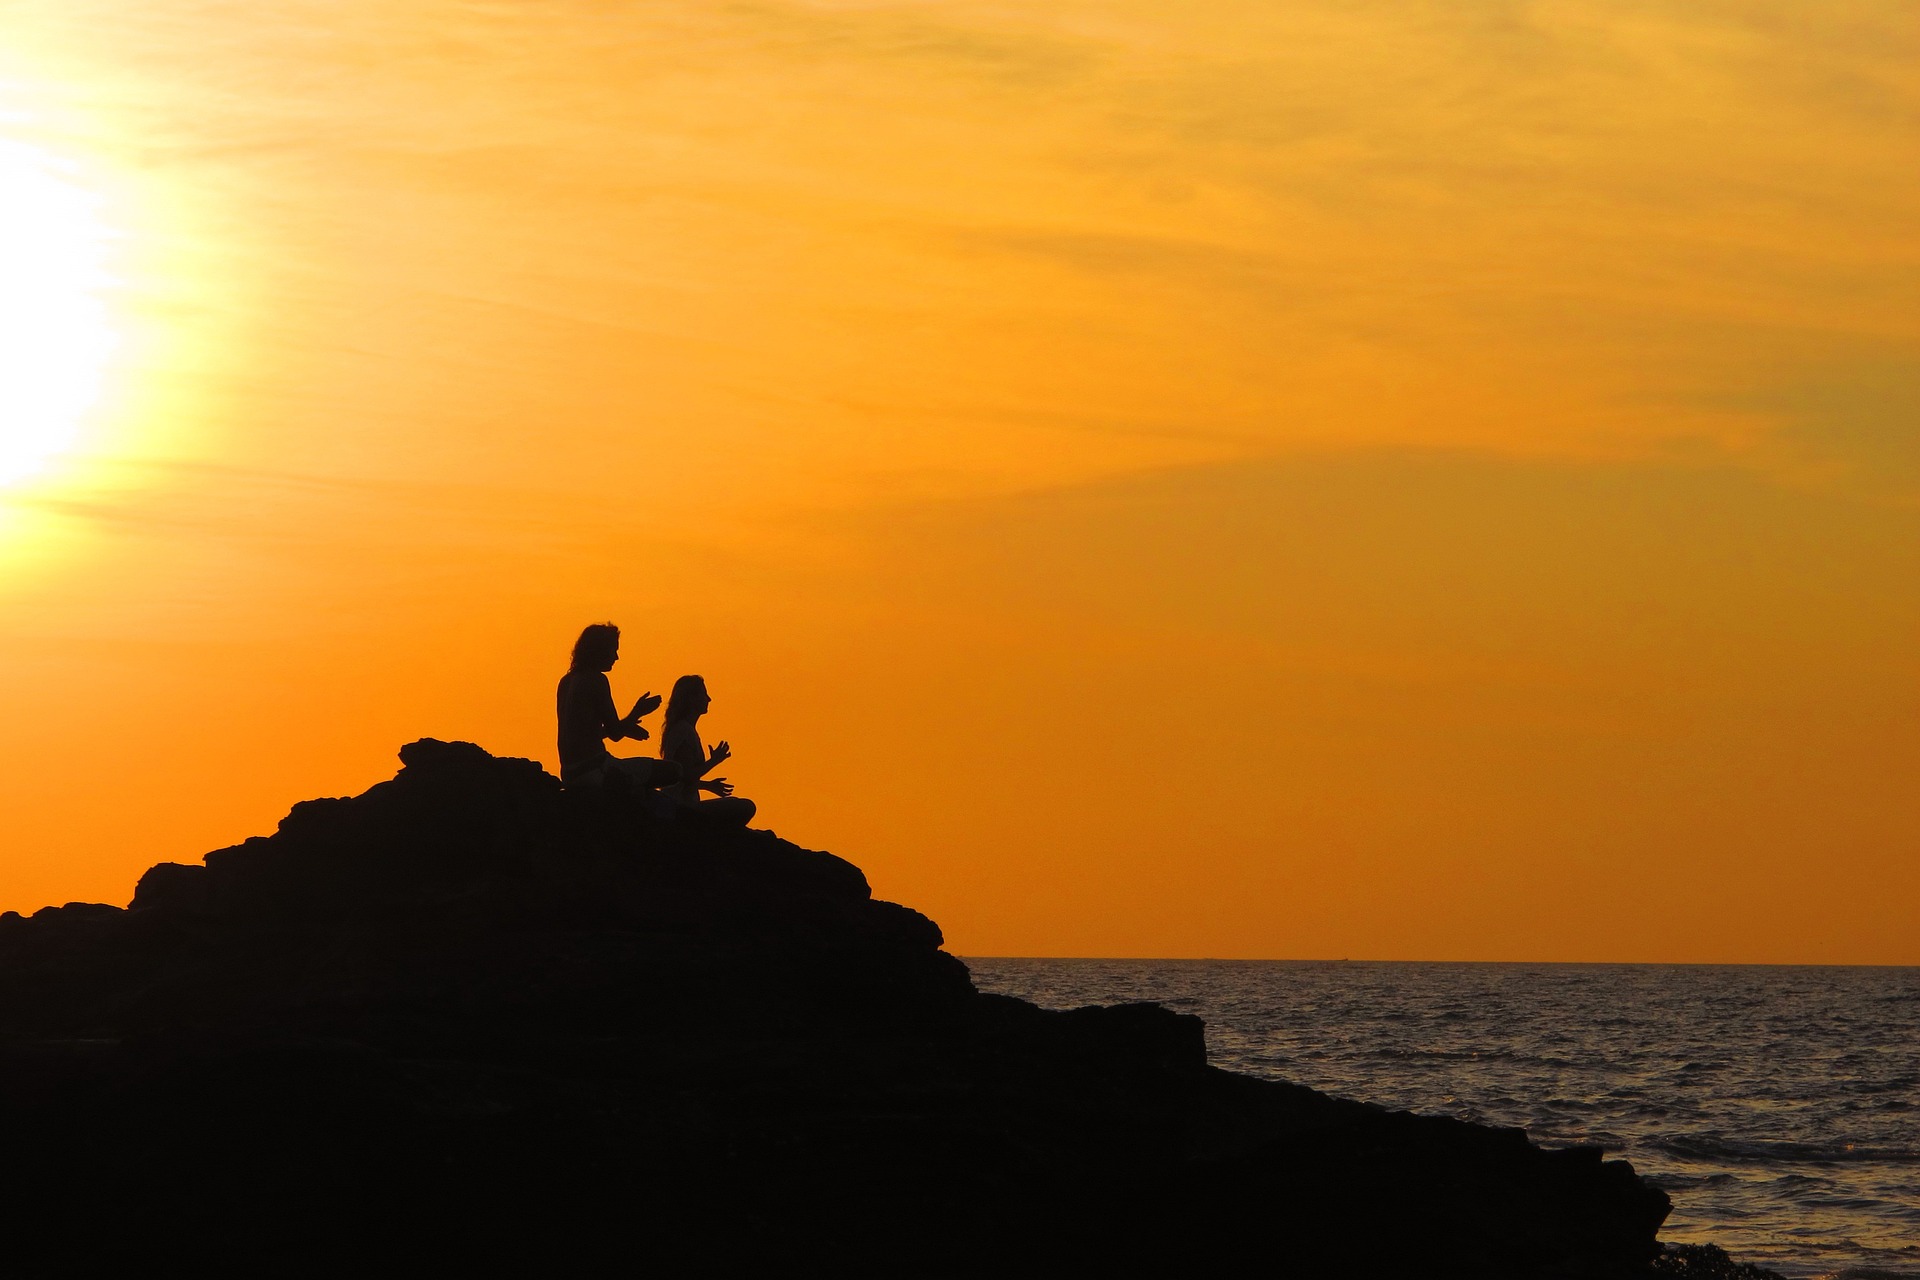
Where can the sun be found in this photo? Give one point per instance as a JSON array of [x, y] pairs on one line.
[[56, 333]]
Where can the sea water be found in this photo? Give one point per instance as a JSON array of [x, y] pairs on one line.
[[1778, 1106]]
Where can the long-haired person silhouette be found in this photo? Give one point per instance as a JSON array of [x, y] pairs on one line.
[[680, 746], [588, 718]]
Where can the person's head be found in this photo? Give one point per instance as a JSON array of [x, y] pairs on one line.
[[598, 648], [689, 699]]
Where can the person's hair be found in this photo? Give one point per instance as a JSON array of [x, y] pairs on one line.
[[595, 643], [685, 690]]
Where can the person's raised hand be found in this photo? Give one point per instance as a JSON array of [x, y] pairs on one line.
[[721, 751], [646, 706]]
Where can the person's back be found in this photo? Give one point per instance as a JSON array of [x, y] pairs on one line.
[[582, 703], [680, 744]]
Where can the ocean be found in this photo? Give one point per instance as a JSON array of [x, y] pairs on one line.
[[1778, 1106]]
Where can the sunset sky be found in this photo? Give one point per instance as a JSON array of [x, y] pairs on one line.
[[1237, 478]]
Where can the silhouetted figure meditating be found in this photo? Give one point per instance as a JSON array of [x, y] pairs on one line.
[[588, 718], [680, 746]]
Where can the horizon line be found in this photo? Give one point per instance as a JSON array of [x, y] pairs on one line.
[[1644, 964]]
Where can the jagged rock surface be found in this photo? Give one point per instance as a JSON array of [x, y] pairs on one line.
[[467, 1019]]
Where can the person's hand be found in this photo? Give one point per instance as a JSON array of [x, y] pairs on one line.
[[635, 733], [646, 706], [721, 751], [719, 786]]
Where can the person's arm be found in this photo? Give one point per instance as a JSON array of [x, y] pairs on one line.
[[719, 786], [631, 726], [645, 705], [612, 724], [697, 767]]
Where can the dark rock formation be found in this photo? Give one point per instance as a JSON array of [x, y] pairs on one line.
[[468, 1019], [1707, 1262]]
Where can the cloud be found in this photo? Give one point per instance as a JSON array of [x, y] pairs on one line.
[[1853, 425]]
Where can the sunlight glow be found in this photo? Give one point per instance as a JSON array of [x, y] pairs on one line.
[[56, 334]]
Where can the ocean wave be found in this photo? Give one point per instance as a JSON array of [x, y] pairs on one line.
[[1895, 1085], [1687, 1181], [1745, 1150]]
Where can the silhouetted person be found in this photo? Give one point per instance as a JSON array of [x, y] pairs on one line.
[[588, 718], [680, 745]]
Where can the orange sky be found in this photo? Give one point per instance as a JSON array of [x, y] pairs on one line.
[[1224, 478]]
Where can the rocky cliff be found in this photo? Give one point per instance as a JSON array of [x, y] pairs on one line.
[[468, 1019]]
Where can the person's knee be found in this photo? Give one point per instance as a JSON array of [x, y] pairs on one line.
[[746, 809], [644, 771]]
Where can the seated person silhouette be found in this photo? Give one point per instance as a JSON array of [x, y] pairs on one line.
[[680, 746], [588, 718]]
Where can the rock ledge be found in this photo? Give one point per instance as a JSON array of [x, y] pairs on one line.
[[468, 1019]]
